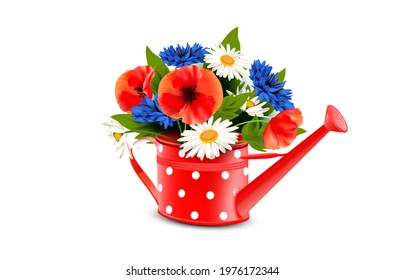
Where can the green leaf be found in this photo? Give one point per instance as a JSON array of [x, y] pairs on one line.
[[143, 129], [300, 130], [155, 61], [281, 76], [151, 129], [159, 67], [232, 39], [271, 109], [155, 83], [127, 121], [230, 105], [231, 85], [263, 127], [252, 134]]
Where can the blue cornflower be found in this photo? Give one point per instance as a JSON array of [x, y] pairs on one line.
[[182, 56], [149, 111], [268, 88]]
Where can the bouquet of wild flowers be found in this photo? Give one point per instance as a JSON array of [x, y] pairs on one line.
[[211, 97]]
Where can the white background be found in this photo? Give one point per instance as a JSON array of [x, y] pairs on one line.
[[69, 209]]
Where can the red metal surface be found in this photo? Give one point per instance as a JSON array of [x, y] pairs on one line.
[[200, 192]]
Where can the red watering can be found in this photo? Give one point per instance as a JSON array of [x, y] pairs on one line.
[[216, 192]]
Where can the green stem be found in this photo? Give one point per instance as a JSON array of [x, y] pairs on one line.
[[185, 127], [179, 126], [246, 122]]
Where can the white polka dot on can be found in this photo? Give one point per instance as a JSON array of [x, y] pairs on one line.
[[246, 171], [223, 216], [169, 209], [225, 175], [195, 175], [181, 153], [181, 193], [210, 195], [237, 154], [161, 148], [169, 171], [194, 215], [160, 187]]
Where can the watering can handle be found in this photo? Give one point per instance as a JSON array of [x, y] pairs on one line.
[[141, 173]]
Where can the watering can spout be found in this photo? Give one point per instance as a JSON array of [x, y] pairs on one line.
[[249, 196]]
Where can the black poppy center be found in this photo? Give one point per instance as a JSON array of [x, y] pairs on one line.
[[190, 94], [139, 90]]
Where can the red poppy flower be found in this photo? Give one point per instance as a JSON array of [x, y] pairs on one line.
[[132, 86], [191, 93], [281, 130]]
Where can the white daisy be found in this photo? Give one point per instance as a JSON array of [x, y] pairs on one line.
[[117, 132], [208, 139], [226, 62], [253, 107]]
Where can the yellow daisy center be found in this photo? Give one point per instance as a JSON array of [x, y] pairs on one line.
[[208, 136], [117, 136], [227, 60], [249, 104]]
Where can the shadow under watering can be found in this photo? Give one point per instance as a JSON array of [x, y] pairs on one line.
[[216, 192]]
